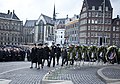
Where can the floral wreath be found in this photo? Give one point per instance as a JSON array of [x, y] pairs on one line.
[[111, 53]]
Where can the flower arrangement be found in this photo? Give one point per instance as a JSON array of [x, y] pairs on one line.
[[112, 54]]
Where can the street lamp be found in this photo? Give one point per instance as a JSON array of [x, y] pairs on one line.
[[103, 37]]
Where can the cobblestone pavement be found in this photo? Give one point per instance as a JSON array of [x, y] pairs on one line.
[[82, 75], [113, 73], [20, 73]]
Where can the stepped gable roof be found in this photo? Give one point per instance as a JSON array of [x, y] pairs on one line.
[[30, 23], [10, 15], [98, 3], [115, 19], [48, 19]]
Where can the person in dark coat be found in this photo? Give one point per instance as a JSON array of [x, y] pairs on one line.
[[40, 52], [34, 56], [64, 56], [28, 55], [52, 54], [46, 54], [58, 53]]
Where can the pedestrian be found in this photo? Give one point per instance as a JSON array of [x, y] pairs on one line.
[[40, 52], [34, 56], [52, 54], [58, 53], [64, 56], [46, 54]]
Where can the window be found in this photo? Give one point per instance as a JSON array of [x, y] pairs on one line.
[[114, 28], [106, 8], [100, 8], [93, 7], [117, 22]]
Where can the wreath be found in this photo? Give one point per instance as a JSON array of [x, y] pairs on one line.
[[93, 53], [70, 52], [102, 52], [111, 54], [78, 53], [84, 55]]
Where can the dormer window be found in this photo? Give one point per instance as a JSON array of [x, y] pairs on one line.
[[93, 7], [106, 8], [100, 8]]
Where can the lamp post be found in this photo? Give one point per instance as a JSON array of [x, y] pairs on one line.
[[103, 37]]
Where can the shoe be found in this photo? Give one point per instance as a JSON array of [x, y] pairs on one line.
[[31, 67], [38, 68]]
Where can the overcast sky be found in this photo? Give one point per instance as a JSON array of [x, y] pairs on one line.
[[31, 9]]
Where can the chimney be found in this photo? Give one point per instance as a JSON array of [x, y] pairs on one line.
[[67, 17], [13, 11], [117, 16], [8, 11]]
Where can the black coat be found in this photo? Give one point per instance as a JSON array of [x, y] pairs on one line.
[[53, 51], [34, 55], [46, 52], [40, 52], [64, 53], [58, 51]]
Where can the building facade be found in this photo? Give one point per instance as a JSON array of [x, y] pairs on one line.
[[10, 29], [60, 31], [72, 30], [115, 36], [28, 31], [95, 22], [44, 30]]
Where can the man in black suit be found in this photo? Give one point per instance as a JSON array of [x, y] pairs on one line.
[[46, 54], [52, 54], [40, 52], [34, 56], [58, 53]]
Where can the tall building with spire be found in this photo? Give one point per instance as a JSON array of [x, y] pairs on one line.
[[54, 14]]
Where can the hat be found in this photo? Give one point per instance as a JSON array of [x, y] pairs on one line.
[[58, 44], [46, 43], [40, 44]]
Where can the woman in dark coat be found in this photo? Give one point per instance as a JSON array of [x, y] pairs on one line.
[[40, 52], [34, 56]]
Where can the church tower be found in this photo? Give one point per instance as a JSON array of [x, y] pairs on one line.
[[54, 14]]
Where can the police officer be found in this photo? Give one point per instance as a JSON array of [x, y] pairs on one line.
[[34, 56]]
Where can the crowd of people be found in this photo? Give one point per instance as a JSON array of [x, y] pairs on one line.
[[11, 53], [40, 53]]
